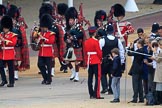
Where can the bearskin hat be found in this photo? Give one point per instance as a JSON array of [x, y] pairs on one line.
[[6, 22], [100, 15], [2, 10], [119, 10], [13, 12], [45, 9], [46, 21], [70, 13], [61, 8]]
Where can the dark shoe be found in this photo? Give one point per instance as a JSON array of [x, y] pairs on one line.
[[115, 101], [76, 80], [16, 79], [3, 83], [61, 68], [133, 101], [71, 78], [43, 82], [141, 101], [39, 73], [99, 97], [65, 71], [48, 83], [110, 93], [10, 85], [104, 91]]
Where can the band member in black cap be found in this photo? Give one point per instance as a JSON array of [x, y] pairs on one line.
[[45, 40], [74, 40], [22, 49], [8, 41], [100, 17], [122, 28]]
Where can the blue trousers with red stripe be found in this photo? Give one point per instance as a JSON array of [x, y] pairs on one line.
[[94, 70]]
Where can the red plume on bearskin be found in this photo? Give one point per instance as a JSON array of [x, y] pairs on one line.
[[6, 22], [119, 10], [13, 11], [100, 15], [45, 9], [3, 10], [61, 8]]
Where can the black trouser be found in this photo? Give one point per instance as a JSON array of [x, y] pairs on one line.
[[44, 65], [104, 72], [94, 70], [137, 87], [10, 64]]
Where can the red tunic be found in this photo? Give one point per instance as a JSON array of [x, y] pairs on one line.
[[46, 49], [92, 46], [8, 52], [126, 28]]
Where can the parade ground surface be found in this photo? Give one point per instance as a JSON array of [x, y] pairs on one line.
[[63, 93]]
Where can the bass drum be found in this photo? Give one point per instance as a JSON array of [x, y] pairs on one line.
[[33, 38]]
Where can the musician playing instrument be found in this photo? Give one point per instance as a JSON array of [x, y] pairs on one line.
[[100, 17], [57, 27], [8, 41], [22, 49], [74, 38], [45, 39]]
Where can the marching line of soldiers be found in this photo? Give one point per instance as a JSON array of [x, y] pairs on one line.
[[61, 33]]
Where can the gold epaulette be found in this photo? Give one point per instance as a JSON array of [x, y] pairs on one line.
[[14, 34], [52, 33]]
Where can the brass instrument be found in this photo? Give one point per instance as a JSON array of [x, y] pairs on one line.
[[34, 38]]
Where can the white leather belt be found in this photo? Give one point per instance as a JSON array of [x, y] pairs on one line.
[[46, 45], [7, 47], [90, 53]]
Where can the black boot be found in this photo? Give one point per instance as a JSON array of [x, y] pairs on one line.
[[10, 85], [3, 83]]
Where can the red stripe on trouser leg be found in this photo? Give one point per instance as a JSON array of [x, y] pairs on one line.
[[99, 79]]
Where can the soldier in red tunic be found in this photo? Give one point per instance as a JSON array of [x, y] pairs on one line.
[[57, 27], [45, 40], [93, 57], [122, 28], [22, 50], [8, 41]]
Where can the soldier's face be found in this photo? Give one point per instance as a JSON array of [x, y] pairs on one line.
[[120, 18], [5, 30], [44, 29], [71, 22]]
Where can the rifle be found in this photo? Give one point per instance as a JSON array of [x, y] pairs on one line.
[[81, 18]]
